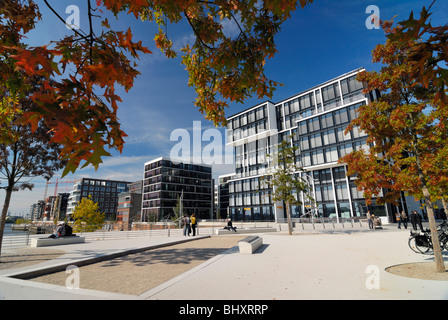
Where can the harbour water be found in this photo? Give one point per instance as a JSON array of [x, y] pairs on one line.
[[9, 232]]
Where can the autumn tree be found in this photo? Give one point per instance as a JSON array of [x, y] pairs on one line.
[[406, 126], [283, 177], [87, 215], [81, 107], [25, 152]]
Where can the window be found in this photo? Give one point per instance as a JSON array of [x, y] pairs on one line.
[[341, 135], [303, 128], [354, 84], [331, 154], [318, 157], [314, 124], [339, 174], [341, 116], [294, 106], [341, 192], [243, 120], [260, 112], [261, 126], [315, 140], [344, 87], [251, 116], [306, 159], [346, 148], [304, 143], [329, 137], [327, 120]]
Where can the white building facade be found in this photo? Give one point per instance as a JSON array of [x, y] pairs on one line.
[[314, 121]]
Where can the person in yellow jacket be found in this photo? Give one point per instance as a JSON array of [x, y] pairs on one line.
[[193, 224]]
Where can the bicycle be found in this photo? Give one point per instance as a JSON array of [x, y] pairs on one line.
[[421, 242]]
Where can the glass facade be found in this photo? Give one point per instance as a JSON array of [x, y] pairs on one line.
[[316, 120], [165, 182]]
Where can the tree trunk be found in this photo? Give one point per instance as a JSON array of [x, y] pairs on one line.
[[440, 266], [4, 214], [288, 216]]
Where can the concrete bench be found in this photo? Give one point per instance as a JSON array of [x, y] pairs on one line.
[[244, 230], [250, 244], [46, 242]]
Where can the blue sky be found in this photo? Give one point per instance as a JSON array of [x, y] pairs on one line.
[[320, 42]]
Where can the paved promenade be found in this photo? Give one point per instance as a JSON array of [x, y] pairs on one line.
[[344, 263]]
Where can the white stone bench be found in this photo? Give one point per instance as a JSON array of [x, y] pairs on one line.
[[46, 242], [250, 244], [245, 230]]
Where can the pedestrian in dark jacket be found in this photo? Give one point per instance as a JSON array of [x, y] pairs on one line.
[[413, 218]]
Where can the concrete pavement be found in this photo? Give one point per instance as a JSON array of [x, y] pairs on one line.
[[345, 263]]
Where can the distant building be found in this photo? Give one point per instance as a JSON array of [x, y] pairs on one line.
[[130, 205], [166, 181], [37, 210], [59, 209], [104, 192]]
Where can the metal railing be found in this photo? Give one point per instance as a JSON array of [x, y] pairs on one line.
[[205, 227]]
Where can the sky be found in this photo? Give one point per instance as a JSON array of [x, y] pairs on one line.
[[322, 41]]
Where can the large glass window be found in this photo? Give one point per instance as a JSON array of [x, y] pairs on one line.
[[314, 124], [303, 129], [344, 209], [341, 116], [331, 154], [329, 137], [341, 192], [341, 135], [327, 120], [315, 140], [306, 159], [304, 143], [294, 106], [318, 157]]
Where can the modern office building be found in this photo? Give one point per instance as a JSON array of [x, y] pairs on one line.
[[104, 192], [316, 120], [166, 181]]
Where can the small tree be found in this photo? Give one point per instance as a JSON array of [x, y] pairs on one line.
[[282, 177], [87, 215], [178, 211]]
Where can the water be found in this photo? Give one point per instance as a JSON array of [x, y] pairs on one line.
[[9, 232]]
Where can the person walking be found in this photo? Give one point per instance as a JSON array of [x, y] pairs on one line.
[[404, 219], [369, 219], [398, 218], [193, 224]]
